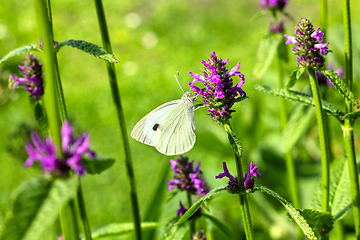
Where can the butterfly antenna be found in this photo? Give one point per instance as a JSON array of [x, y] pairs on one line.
[[178, 80]]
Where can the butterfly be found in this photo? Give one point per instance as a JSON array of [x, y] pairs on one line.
[[170, 128]]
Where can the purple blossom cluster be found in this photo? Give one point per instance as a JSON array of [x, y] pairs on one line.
[[276, 27], [187, 177], [45, 152], [199, 235], [249, 181], [273, 4], [308, 47], [32, 77], [218, 92]]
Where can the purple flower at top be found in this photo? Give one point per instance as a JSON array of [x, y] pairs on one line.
[[199, 235], [273, 4], [45, 152], [218, 92], [32, 77], [233, 186], [182, 210], [309, 48], [187, 177]]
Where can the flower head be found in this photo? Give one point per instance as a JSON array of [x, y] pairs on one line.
[[45, 152], [199, 235], [218, 92], [308, 47], [32, 77], [276, 27], [188, 177], [233, 186], [273, 4]]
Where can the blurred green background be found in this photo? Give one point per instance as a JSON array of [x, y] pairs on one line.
[[153, 40]]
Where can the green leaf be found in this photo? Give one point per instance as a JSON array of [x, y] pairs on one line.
[[174, 232], [265, 54], [17, 51], [352, 115], [220, 225], [97, 165], [196, 205], [341, 86], [89, 48], [118, 229], [296, 126], [301, 98], [318, 220], [294, 213], [295, 75], [35, 206], [157, 199], [340, 193], [256, 16], [40, 116]]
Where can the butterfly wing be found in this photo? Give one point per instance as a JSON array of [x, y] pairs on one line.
[[145, 130], [176, 132]]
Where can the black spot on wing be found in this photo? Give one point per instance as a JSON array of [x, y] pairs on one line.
[[155, 127]]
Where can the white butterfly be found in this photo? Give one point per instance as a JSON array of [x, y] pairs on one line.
[[170, 128]]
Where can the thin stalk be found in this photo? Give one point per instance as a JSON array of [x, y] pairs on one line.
[[324, 141], [323, 17], [68, 213], [83, 215], [244, 205], [348, 123], [192, 222], [119, 111]]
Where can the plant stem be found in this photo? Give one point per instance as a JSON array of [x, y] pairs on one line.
[[83, 215], [68, 213], [323, 17], [324, 141], [121, 118], [348, 123], [192, 222], [244, 205]]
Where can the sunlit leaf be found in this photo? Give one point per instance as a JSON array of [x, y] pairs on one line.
[[20, 50], [294, 213], [318, 220]]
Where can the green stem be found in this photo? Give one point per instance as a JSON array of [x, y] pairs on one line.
[[83, 215], [323, 17], [348, 124], [244, 205], [192, 222], [68, 213], [325, 155], [119, 111]]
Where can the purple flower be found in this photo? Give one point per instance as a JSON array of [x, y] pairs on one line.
[[199, 235], [187, 177], [308, 46], [182, 210], [276, 28], [233, 186], [218, 92], [32, 77], [45, 152], [273, 4]]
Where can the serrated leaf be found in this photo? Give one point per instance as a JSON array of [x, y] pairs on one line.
[[296, 126], [220, 225], [265, 54], [97, 165], [295, 75], [294, 213], [20, 50], [35, 206], [89, 48], [301, 98], [318, 220], [341, 86], [196, 205], [40, 116], [339, 192], [352, 115], [118, 229]]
